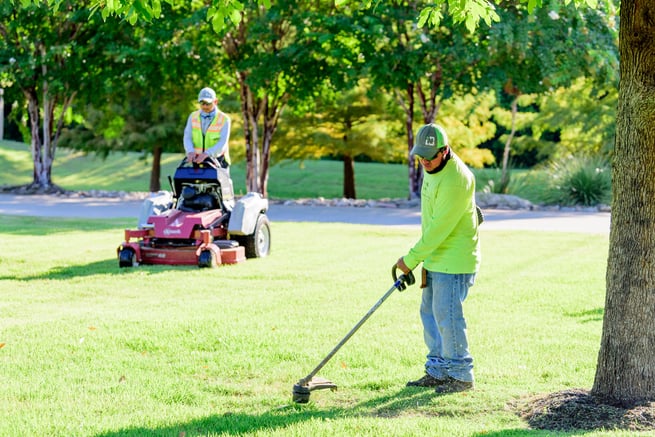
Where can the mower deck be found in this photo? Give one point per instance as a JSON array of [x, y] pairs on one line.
[[181, 238]]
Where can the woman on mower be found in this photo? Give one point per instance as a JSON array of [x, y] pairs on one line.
[[207, 131]]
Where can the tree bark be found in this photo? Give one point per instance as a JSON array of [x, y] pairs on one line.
[[413, 171], [349, 177], [626, 361], [155, 173], [39, 176], [504, 178]]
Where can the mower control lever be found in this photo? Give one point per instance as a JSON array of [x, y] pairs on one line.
[[401, 282]]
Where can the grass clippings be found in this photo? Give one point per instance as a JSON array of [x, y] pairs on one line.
[[578, 409]]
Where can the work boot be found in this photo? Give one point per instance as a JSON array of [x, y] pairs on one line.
[[427, 381], [452, 385]]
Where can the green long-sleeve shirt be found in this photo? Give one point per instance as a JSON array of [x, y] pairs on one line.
[[449, 225]]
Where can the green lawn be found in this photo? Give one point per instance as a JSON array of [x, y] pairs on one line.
[[89, 349], [130, 172]]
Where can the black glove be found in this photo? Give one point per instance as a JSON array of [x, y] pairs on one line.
[[403, 280]]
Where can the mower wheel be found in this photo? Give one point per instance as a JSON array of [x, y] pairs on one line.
[[126, 258], [258, 244], [206, 259]]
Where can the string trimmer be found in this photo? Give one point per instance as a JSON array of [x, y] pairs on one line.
[[303, 388]]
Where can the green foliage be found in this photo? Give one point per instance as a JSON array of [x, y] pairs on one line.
[[530, 184], [533, 52], [355, 123], [490, 181], [579, 180], [301, 56], [470, 13], [151, 86], [468, 122], [549, 47], [571, 181], [522, 145], [289, 179], [582, 118]]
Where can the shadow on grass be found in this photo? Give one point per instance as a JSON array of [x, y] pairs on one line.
[[530, 432], [43, 226], [67, 272], [595, 315], [105, 267], [283, 417], [386, 407]]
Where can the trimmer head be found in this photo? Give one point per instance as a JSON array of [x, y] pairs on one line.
[[300, 394], [302, 389]]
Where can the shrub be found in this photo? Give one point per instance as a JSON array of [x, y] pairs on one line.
[[488, 181], [527, 184], [579, 180]]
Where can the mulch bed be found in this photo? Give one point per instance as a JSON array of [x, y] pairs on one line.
[[577, 409]]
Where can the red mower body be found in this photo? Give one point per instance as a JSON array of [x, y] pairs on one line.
[[179, 238], [196, 228]]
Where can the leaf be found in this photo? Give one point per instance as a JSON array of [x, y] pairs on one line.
[[532, 5], [2, 345], [235, 16], [423, 17]]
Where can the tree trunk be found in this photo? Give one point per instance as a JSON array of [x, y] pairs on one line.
[[251, 134], [349, 177], [42, 174], [44, 134], [2, 114], [155, 173], [626, 362], [269, 130], [258, 144], [413, 171], [504, 178], [429, 109]]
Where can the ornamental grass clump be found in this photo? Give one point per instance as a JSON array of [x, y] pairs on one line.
[[583, 180]]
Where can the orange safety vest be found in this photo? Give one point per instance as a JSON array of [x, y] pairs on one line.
[[211, 136]]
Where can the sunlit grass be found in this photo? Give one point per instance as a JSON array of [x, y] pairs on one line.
[[93, 350], [131, 172]]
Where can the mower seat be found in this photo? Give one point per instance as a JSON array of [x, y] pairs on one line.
[[214, 178]]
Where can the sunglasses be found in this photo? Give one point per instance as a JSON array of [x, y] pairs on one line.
[[423, 158], [206, 103]]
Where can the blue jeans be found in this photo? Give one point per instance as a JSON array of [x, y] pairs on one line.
[[444, 327]]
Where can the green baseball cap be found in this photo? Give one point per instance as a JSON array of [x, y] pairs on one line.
[[429, 140]]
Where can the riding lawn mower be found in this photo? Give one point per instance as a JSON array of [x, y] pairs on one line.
[[199, 223]]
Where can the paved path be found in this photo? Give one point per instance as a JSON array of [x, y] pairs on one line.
[[52, 206]]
